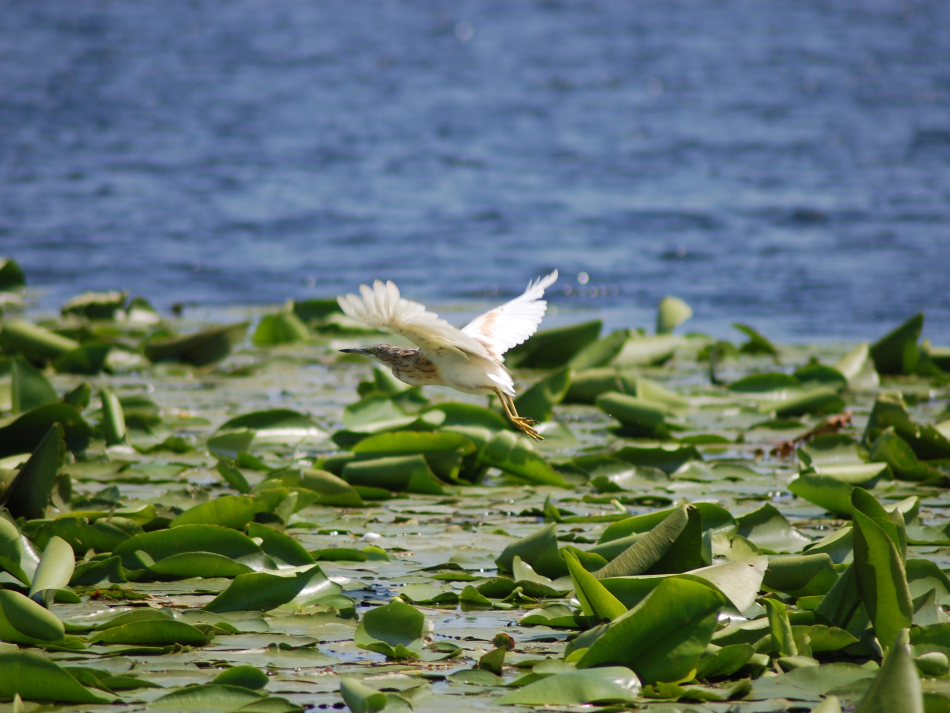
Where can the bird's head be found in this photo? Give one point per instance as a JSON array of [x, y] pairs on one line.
[[378, 352]]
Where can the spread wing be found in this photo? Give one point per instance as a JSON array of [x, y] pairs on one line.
[[509, 325], [382, 307]]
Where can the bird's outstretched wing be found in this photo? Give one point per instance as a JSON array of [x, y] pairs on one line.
[[509, 325], [382, 307]]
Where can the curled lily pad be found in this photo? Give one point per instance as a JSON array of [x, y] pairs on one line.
[[262, 591], [897, 352], [96, 305], [23, 621], [661, 638], [192, 538], [25, 433], [391, 630], [28, 387], [276, 425], [12, 277], [55, 568], [613, 684], [642, 350], [517, 456], [153, 632], [280, 328], [404, 474], [553, 348], [539, 401], [35, 343], [34, 678], [601, 352], [636, 415], [757, 344], [201, 348], [671, 313], [29, 493]]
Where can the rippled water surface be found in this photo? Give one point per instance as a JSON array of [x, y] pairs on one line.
[[786, 164]]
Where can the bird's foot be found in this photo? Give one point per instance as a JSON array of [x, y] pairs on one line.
[[524, 425]]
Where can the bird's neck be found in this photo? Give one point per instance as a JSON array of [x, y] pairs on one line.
[[410, 366]]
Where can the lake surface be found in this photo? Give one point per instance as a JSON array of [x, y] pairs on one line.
[[785, 164]]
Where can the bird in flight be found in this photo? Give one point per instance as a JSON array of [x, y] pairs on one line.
[[469, 360]]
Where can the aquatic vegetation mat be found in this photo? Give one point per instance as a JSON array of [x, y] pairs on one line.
[[239, 517]]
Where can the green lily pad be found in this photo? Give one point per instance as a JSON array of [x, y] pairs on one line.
[[897, 352], [34, 678], [201, 348], [614, 684], [280, 328], [553, 348]]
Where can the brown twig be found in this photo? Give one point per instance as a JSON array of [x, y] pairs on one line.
[[832, 425]]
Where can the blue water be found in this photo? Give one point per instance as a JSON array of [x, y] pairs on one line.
[[783, 163]]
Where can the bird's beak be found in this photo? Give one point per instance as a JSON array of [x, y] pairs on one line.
[[362, 352]]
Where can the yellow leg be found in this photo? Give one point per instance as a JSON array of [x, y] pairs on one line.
[[520, 422]]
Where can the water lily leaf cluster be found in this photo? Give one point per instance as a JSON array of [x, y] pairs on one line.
[[293, 528]]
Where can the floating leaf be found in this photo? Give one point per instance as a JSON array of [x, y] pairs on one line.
[[275, 425], [889, 411], [13, 556], [233, 477], [614, 684], [402, 474], [322, 487], [879, 566], [662, 638], [34, 343], [553, 348], [539, 549], [262, 591], [23, 621], [896, 687], [89, 359], [601, 352], [210, 697], [25, 433], [595, 599], [587, 385], [34, 678], [801, 576], [277, 544], [671, 313], [363, 699], [234, 511], [231, 445], [55, 569], [539, 401], [768, 528], [29, 493], [28, 387], [897, 352], [673, 545], [280, 328], [814, 375], [516, 455], [161, 544], [243, 676], [385, 629], [113, 419], [201, 348], [638, 416], [772, 382], [642, 350], [757, 344], [154, 632], [12, 277]]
